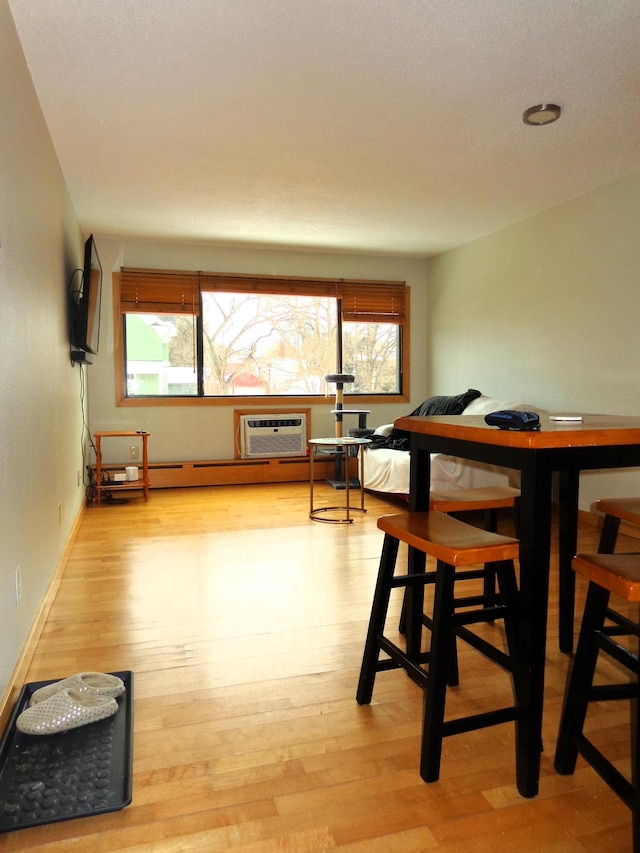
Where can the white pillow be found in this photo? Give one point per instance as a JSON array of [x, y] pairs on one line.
[[384, 430], [484, 405]]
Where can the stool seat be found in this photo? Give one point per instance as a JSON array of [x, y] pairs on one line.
[[627, 509], [616, 510], [618, 573], [449, 539], [465, 500]]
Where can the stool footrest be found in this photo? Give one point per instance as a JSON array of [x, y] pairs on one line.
[[400, 659], [613, 692], [605, 769], [621, 654], [425, 578], [480, 721], [484, 647], [625, 625], [414, 579], [489, 602]]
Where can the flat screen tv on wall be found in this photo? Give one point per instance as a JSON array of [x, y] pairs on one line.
[[85, 307]]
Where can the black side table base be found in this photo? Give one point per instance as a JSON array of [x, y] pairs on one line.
[[315, 514]]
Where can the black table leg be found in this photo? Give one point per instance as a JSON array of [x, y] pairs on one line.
[[535, 545]]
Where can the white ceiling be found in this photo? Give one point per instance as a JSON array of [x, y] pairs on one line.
[[387, 126]]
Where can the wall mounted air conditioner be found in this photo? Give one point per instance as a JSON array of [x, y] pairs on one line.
[[273, 435]]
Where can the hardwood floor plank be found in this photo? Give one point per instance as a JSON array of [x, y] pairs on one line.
[[244, 623]]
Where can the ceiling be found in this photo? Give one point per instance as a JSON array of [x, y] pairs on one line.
[[385, 126]]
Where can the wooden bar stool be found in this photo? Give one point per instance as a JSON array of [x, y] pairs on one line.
[[617, 574], [487, 499], [616, 510], [457, 548]]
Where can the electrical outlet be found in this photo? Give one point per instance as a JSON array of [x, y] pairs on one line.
[[133, 451], [18, 583], [59, 513], [78, 477]]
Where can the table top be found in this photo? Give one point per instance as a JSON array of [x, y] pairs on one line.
[[339, 442], [592, 431]]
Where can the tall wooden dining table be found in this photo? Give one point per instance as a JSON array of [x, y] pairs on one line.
[[595, 442]]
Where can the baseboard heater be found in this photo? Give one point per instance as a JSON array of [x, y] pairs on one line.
[[227, 472], [270, 435]]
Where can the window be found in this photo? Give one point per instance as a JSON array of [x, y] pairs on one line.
[[211, 337]]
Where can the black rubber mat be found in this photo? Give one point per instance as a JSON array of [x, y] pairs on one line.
[[51, 778]]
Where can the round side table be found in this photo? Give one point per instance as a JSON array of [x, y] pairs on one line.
[[343, 444]]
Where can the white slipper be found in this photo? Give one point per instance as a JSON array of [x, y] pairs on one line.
[[65, 710], [95, 683]]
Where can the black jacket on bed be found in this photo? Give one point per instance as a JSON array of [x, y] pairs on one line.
[[398, 439]]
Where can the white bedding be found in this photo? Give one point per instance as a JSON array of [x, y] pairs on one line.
[[388, 470]]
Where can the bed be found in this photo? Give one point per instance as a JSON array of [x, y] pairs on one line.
[[387, 469]]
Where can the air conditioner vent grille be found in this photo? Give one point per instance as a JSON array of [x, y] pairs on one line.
[[274, 422], [273, 435]]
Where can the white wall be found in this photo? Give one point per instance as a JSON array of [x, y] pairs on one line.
[[193, 432], [547, 312], [40, 420]]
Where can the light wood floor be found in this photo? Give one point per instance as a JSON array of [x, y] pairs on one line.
[[243, 622]]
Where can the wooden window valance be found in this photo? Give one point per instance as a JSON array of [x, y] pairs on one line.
[[178, 292], [159, 292]]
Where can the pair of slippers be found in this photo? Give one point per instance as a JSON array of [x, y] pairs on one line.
[[73, 702]]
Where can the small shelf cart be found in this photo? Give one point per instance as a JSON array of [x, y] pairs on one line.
[[141, 483]]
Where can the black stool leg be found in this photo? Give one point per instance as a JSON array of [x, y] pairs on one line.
[[434, 695], [376, 622], [417, 566], [453, 677], [608, 534], [509, 594], [490, 524], [579, 685], [402, 623], [516, 517]]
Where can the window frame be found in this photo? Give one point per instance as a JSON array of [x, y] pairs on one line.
[[173, 291]]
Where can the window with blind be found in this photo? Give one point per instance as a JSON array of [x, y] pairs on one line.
[[219, 336]]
